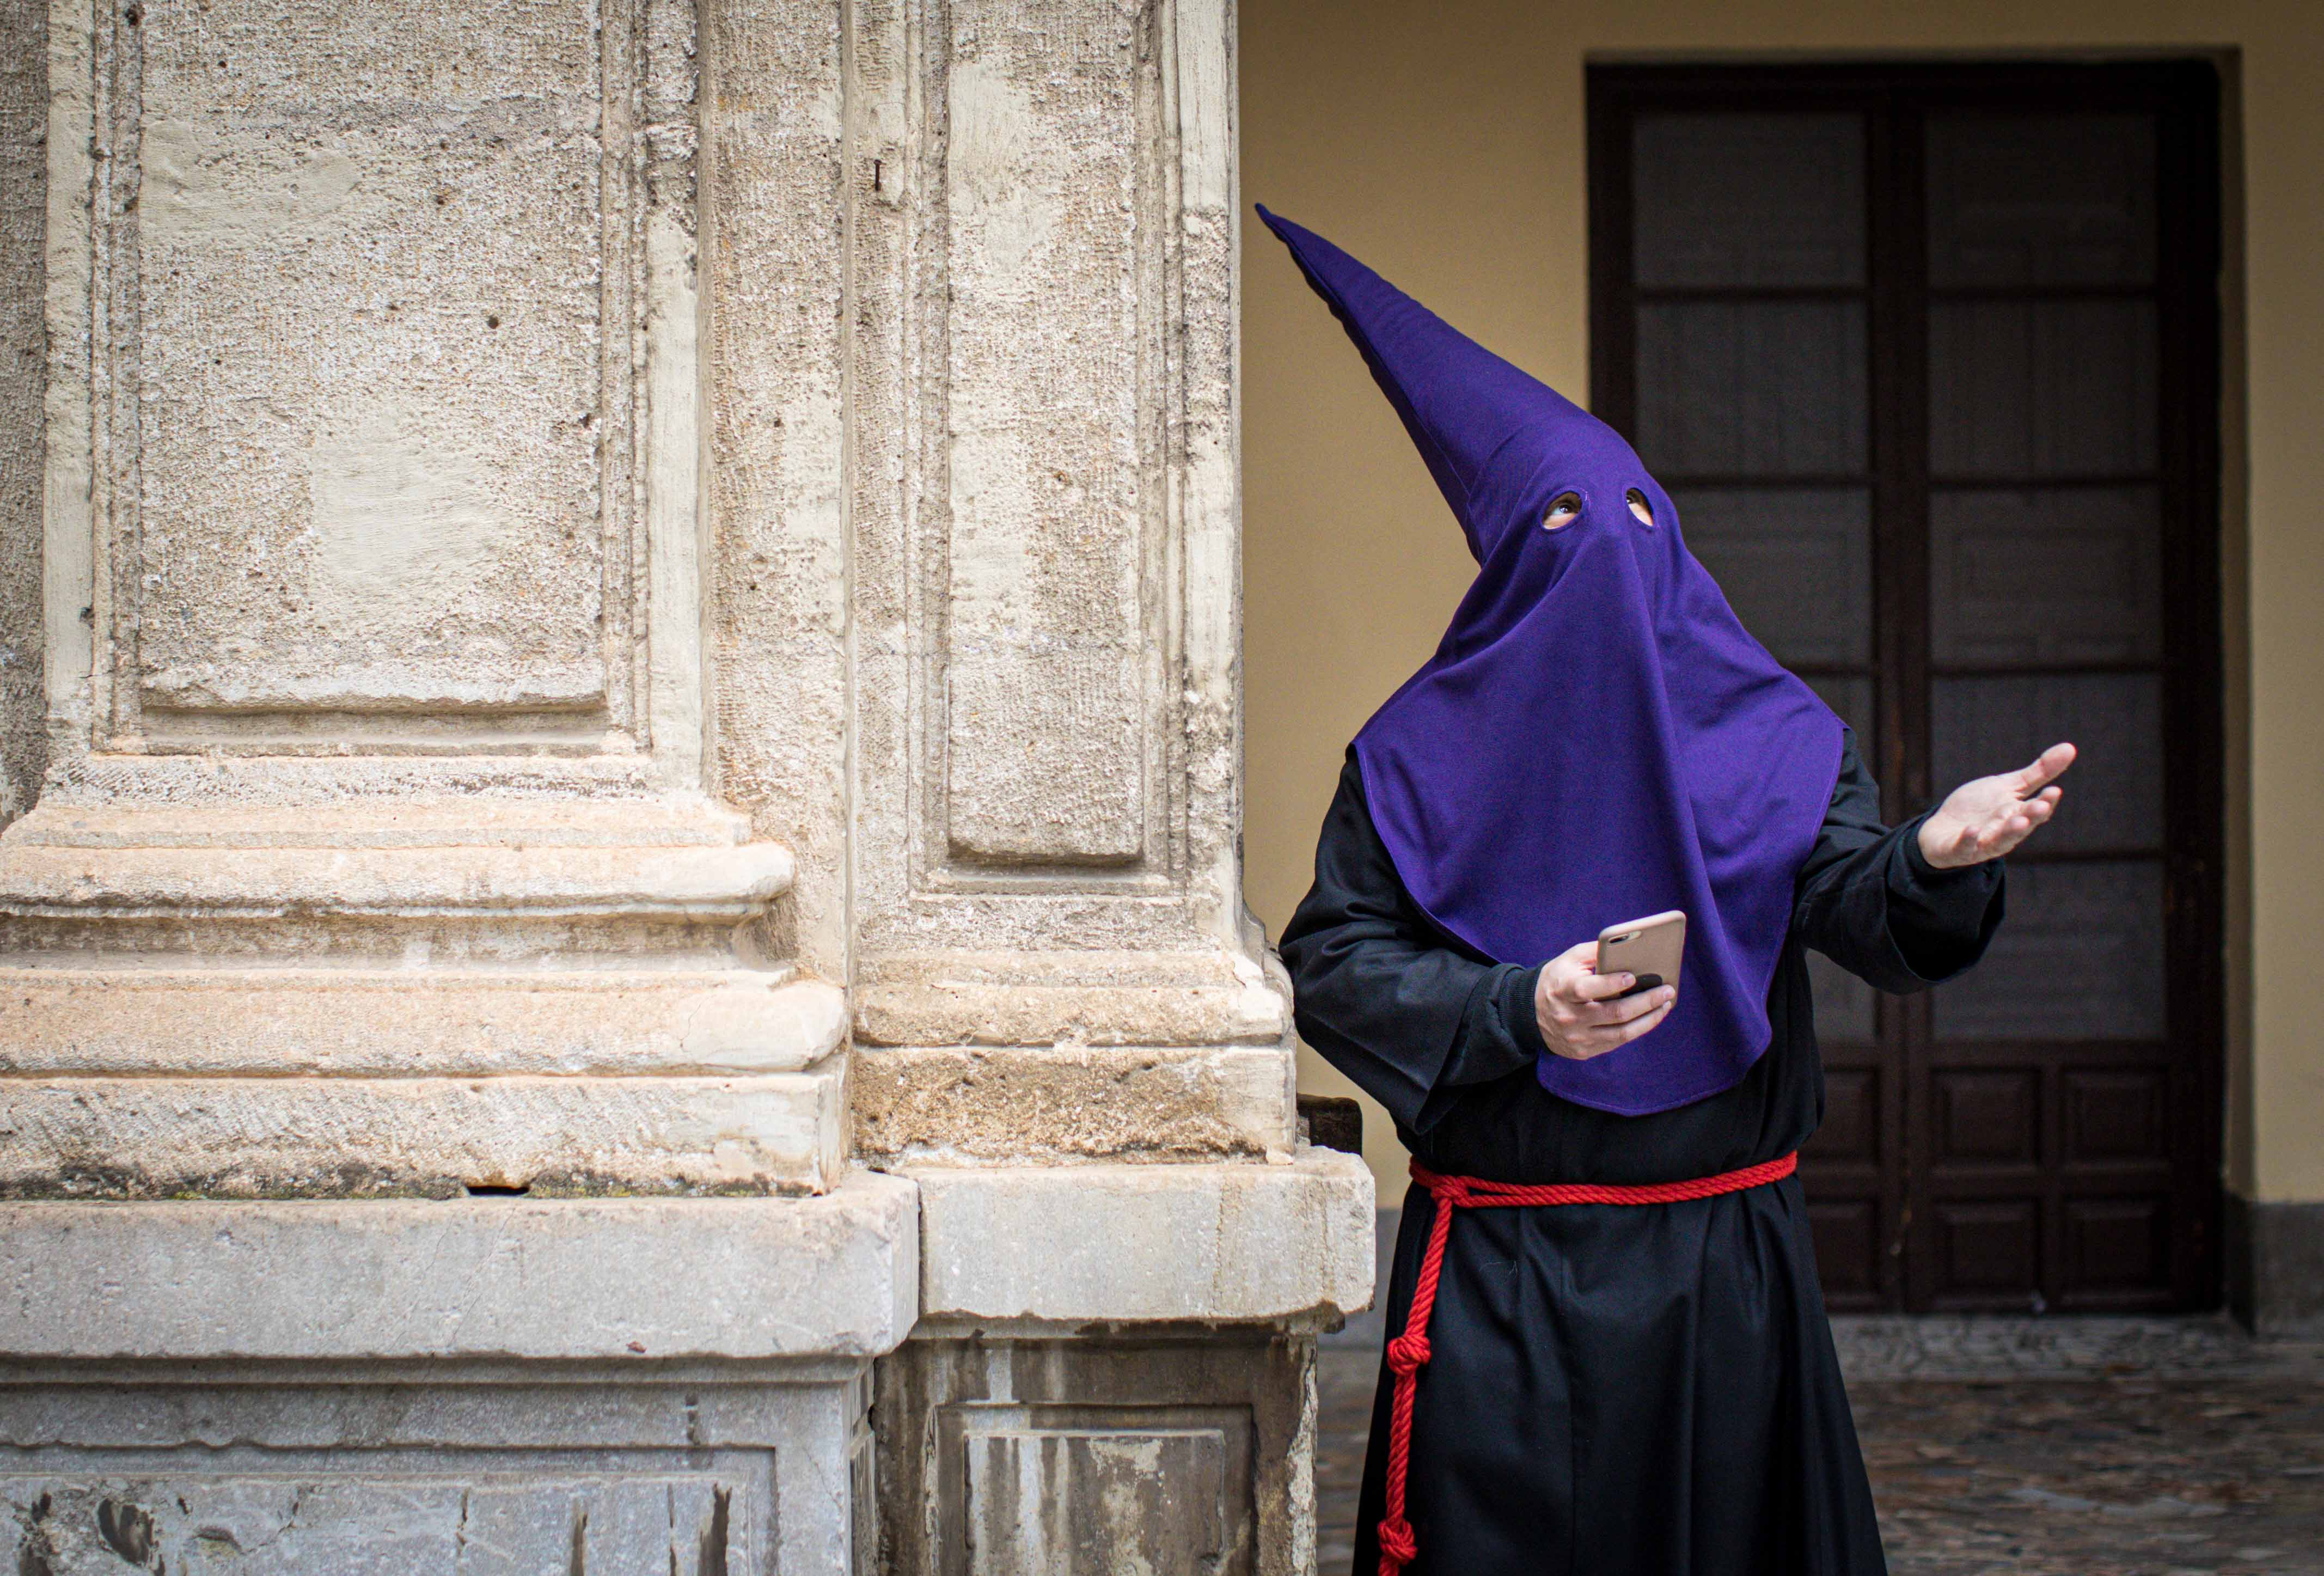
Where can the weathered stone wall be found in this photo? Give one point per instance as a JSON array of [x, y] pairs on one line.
[[659, 587], [23, 372]]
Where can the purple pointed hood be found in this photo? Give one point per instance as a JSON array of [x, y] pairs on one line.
[[1597, 738]]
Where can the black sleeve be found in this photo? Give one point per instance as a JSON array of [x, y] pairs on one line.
[[1868, 900], [1385, 996]]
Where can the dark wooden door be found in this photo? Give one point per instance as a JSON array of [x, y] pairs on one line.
[[1927, 357]]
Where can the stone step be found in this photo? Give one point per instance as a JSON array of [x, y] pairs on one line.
[[406, 1022], [398, 998], [372, 1280], [493, 883], [1206, 996], [168, 1136]]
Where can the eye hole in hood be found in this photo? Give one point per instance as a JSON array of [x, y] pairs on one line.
[[1563, 510], [1640, 507]]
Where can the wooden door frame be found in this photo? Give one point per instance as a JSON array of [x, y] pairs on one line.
[[1894, 97]]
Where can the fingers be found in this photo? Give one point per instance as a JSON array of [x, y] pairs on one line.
[[2046, 768], [1966, 833], [1649, 1022], [1599, 987], [1580, 1032], [1597, 1042], [2013, 830], [1624, 1008], [1998, 837], [1571, 976]]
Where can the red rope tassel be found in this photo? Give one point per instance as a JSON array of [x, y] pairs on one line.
[[1408, 1353]]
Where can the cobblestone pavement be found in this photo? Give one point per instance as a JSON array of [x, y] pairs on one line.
[[2122, 1475]]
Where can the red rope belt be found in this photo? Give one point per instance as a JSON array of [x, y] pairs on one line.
[[1409, 1351]]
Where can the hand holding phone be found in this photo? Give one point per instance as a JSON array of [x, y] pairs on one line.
[[1582, 1009], [1651, 949]]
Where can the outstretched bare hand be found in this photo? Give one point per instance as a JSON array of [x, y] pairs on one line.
[[1987, 817]]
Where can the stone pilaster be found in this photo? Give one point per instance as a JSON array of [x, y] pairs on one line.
[[1052, 955], [1066, 1031], [381, 870], [376, 855]]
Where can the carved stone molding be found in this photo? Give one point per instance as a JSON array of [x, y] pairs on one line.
[[1044, 523], [373, 405], [1134, 1450], [745, 1467]]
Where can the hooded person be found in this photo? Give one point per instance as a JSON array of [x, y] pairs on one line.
[[1611, 1355]]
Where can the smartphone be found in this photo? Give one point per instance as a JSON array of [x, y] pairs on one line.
[[1649, 948]]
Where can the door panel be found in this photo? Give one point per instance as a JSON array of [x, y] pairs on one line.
[[1729, 200], [2028, 200], [1753, 388], [1795, 564], [2080, 957], [2042, 389], [2044, 575]]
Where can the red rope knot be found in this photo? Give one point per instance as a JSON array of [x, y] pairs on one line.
[[1407, 1352], [1396, 1546]]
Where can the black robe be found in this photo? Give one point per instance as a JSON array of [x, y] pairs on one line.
[[1616, 1390]]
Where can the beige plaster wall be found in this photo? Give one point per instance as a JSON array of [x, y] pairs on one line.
[[1444, 143]]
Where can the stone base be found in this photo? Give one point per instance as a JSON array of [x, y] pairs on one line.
[[1368, 1330], [338, 1470], [1075, 1245], [432, 1138], [1110, 1369], [955, 1104], [1162, 1451], [340, 1388], [1114, 1366], [406, 997], [374, 1280], [2275, 1267]]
